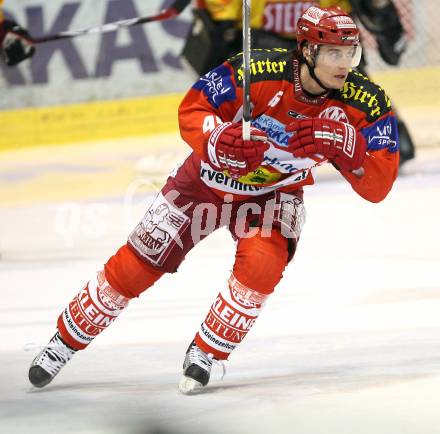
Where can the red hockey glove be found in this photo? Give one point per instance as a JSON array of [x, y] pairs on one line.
[[337, 141], [15, 43], [228, 151]]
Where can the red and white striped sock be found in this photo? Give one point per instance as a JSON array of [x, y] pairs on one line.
[[91, 311], [230, 318]]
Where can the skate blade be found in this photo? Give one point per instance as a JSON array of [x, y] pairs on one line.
[[189, 386]]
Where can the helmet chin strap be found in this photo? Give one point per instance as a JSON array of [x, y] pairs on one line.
[[311, 69], [313, 75]]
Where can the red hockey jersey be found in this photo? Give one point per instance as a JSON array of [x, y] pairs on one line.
[[277, 99]]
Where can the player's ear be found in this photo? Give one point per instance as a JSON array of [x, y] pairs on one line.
[[307, 53]]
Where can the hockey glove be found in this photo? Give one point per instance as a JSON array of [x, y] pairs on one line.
[[15, 43], [337, 141], [228, 151]]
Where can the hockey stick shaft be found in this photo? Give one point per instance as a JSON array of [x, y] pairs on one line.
[[175, 9], [246, 69]]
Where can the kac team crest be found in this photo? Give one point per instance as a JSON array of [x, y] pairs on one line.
[[334, 113]]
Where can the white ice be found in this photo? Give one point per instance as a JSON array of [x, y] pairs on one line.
[[349, 343]]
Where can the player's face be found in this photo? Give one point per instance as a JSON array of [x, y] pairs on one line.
[[333, 63]]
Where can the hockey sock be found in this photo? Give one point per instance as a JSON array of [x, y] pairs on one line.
[[98, 304], [259, 265], [91, 311], [230, 318]]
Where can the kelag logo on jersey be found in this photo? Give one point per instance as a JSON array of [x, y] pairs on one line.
[[382, 134], [217, 86], [275, 130]]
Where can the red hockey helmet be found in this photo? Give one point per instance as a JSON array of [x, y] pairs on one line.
[[327, 26], [332, 26]]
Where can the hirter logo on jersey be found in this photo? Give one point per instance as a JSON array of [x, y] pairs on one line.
[[335, 114], [264, 69]]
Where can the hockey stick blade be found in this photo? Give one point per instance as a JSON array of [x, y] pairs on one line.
[[175, 9]]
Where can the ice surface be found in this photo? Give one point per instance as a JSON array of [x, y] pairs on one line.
[[349, 343]]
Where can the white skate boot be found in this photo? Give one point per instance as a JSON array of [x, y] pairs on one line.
[[49, 361]]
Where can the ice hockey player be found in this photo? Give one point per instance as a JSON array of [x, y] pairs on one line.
[[309, 109], [15, 42]]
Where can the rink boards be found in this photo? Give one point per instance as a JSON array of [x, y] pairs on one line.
[[414, 92]]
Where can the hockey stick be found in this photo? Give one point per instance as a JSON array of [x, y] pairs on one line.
[[175, 9], [246, 69]]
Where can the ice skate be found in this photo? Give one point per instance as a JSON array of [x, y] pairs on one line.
[[196, 369], [49, 361]]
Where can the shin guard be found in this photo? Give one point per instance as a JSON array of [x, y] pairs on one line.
[[92, 310]]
